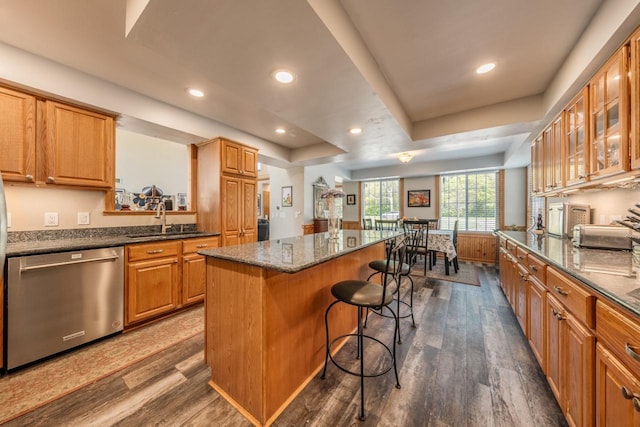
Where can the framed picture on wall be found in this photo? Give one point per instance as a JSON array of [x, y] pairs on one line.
[[287, 197], [419, 198], [259, 205], [351, 199]]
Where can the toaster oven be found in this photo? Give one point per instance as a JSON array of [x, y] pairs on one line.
[[602, 236]]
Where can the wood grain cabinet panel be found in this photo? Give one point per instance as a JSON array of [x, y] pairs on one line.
[[535, 311], [239, 159], [477, 247], [194, 269], [522, 292], [537, 166], [577, 139], [609, 117], [617, 392], [79, 147], [635, 100], [17, 136]]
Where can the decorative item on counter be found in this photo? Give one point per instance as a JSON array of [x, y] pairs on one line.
[[329, 195], [539, 226]]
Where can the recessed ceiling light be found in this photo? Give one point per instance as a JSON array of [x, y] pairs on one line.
[[195, 92], [485, 68], [355, 131], [281, 130], [283, 76]]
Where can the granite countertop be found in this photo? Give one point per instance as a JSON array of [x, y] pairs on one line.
[[293, 254], [34, 243], [612, 273]]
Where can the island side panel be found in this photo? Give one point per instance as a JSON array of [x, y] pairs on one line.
[[234, 333], [294, 326]]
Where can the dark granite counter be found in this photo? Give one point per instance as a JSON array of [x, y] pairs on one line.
[[40, 242], [294, 254], [611, 273]]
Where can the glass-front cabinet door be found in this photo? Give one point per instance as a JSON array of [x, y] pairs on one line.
[[609, 105], [635, 101], [537, 166], [576, 141], [552, 143]]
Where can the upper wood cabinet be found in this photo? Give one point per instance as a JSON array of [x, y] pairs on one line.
[[79, 147], [17, 136], [48, 142], [635, 100], [552, 164], [609, 115], [537, 166], [576, 141], [239, 159]]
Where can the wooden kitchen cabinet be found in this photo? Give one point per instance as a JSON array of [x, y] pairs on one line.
[[79, 147], [194, 268], [151, 282], [570, 347], [576, 141], [18, 141], [634, 82], [53, 143], [609, 117], [552, 164], [227, 196], [537, 321], [522, 285], [239, 159], [617, 392], [537, 166]]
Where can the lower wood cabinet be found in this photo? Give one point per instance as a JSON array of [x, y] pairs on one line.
[[617, 392], [162, 277], [521, 292], [536, 304]]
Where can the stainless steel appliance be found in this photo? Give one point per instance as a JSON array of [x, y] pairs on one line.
[[562, 217], [601, 236], [58, 301]]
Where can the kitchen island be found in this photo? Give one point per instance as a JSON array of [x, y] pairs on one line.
[[264, 313]]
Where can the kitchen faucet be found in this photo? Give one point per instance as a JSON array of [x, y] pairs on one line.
[[161, 213]]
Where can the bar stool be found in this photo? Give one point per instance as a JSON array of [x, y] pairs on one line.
[[364, 295]]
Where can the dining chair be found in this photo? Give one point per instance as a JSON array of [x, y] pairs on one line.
[[367, 224], [423, 248]]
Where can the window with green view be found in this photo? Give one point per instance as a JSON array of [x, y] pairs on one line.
[[470, 198], [381, 199]]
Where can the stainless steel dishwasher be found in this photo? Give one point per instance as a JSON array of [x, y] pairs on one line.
[[58, 301]]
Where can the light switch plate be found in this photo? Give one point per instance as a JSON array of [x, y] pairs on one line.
[[51, 219], [84, 218]]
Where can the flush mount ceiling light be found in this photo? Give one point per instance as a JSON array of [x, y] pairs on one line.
[[405, 157], [283, 76], [195, 92], [281, 131], [485, 68], [355, 131]]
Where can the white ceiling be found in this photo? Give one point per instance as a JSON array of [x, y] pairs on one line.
[[403, 69]]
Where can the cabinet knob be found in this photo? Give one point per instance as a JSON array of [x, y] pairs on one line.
[[29, 177], [51, 179], [631, 352], [636, 404], [626, 393], [533, 267]]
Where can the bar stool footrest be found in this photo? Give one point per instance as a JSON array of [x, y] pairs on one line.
[[383, 371]]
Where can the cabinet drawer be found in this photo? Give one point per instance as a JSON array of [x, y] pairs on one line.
[[621, 333], [511, 247], [521, 256], [576, 299], [194, 245], [152, 250], [537, 268]]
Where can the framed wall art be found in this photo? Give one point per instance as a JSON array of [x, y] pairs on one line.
[[287, 197], [351, 199], [419, 198]]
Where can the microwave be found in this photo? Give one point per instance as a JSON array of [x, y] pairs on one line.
[[562, 217]]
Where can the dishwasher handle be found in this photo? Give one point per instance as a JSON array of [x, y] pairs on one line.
[[24, 269]]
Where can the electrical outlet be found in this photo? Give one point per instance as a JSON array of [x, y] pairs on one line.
[[84, 218], [8, 219], [51, 219]]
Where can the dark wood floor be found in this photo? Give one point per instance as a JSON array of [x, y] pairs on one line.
[[466, 364]]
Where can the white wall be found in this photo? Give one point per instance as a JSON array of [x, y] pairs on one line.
[[421, 183], [286, 221], [351, 212], [606, 205], [515, 196]]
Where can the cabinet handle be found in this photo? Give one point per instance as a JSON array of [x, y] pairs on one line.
[[559, 290], [155, 251], [203, 245], [557, 314], [51, 179], [631, 352], [636, 404], [626, 393], [29, 177], [533, 267]]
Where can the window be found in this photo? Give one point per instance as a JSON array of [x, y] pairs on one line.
[[470, 198], [381, 199]]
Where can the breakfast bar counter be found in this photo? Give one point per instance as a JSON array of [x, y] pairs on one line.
[[264, 315]]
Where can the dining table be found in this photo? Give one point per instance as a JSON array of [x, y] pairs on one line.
[[441, 241]]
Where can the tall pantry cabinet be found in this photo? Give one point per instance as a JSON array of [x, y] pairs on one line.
[[227, 191]]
